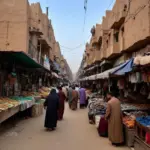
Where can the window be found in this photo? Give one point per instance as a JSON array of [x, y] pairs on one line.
[[116, 36]]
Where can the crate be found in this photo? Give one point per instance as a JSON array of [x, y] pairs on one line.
[[129, 136], [140, 145]]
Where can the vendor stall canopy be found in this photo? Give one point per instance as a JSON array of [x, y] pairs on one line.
[[20, 58], [124, 68], [119, 70]]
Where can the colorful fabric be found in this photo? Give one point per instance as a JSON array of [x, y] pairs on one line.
[[82, 96]]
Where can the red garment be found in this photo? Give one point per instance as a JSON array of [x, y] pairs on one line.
[[62, 98], [103, 127], [148, 138]]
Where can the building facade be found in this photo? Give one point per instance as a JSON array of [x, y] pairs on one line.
[[124, 31], [25, 28]]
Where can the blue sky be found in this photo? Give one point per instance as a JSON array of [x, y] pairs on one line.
[[68, 20]]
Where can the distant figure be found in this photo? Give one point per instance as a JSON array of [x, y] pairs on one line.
[[77, 89], [62, 99], [114, 117], [64, 89], [74, 101], [82, 98], [69, 96], [51, 105]]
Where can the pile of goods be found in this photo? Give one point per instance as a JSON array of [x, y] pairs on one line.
[[129, 119], [96, 107], [25, 102], [6, 103], [44, 92], [125, 107]]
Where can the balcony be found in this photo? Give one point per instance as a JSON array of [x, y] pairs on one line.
[[36, 31], [118, 20], [98, 56], [45, 41], [113, 50]]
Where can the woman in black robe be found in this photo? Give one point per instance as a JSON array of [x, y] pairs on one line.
[[51, 105]]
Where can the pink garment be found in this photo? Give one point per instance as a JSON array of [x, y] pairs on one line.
[[148, 138]]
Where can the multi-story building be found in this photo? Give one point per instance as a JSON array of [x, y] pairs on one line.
[[24, 27], [123, 33]]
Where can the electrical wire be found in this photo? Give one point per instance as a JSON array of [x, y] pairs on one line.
[[111, 2]]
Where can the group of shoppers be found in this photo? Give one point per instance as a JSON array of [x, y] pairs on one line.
[[76, 94], [55, 103]]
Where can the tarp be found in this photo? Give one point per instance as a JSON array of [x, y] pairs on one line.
[[105, 74], [124, 68]]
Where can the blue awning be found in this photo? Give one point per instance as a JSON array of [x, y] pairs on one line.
[[124, 68]]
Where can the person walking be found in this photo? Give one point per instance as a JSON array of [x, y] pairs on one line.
[[69, 96], [51, 105], [62, 99], [74, 102], [114, 117], [82, 97]]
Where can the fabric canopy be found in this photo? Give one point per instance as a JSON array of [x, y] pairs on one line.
[[124, 68], [106, 73], [20, 58], [93, 77]]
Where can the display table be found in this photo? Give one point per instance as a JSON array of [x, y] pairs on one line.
[[4, 115]]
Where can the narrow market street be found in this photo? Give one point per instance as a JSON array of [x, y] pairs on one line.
[[73, 133]]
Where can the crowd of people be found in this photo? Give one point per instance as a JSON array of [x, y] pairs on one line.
[[55, 106], [55, 103]]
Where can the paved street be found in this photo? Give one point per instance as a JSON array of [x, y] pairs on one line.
[[74, 133]]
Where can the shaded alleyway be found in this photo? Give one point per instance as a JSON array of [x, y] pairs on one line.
[[74, 133]]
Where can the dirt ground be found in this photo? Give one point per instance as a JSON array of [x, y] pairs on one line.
[[73, 133]]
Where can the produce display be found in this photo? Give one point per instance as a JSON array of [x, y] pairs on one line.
[[44, 92], [129, 122], [6, 103], [129, 119]]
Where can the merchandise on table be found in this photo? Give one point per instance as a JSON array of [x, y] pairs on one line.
[[129, 119], [129, 122], [96, 107], [44, 92], [125, 107], [6, 103], [145, 121], [25, 102]]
